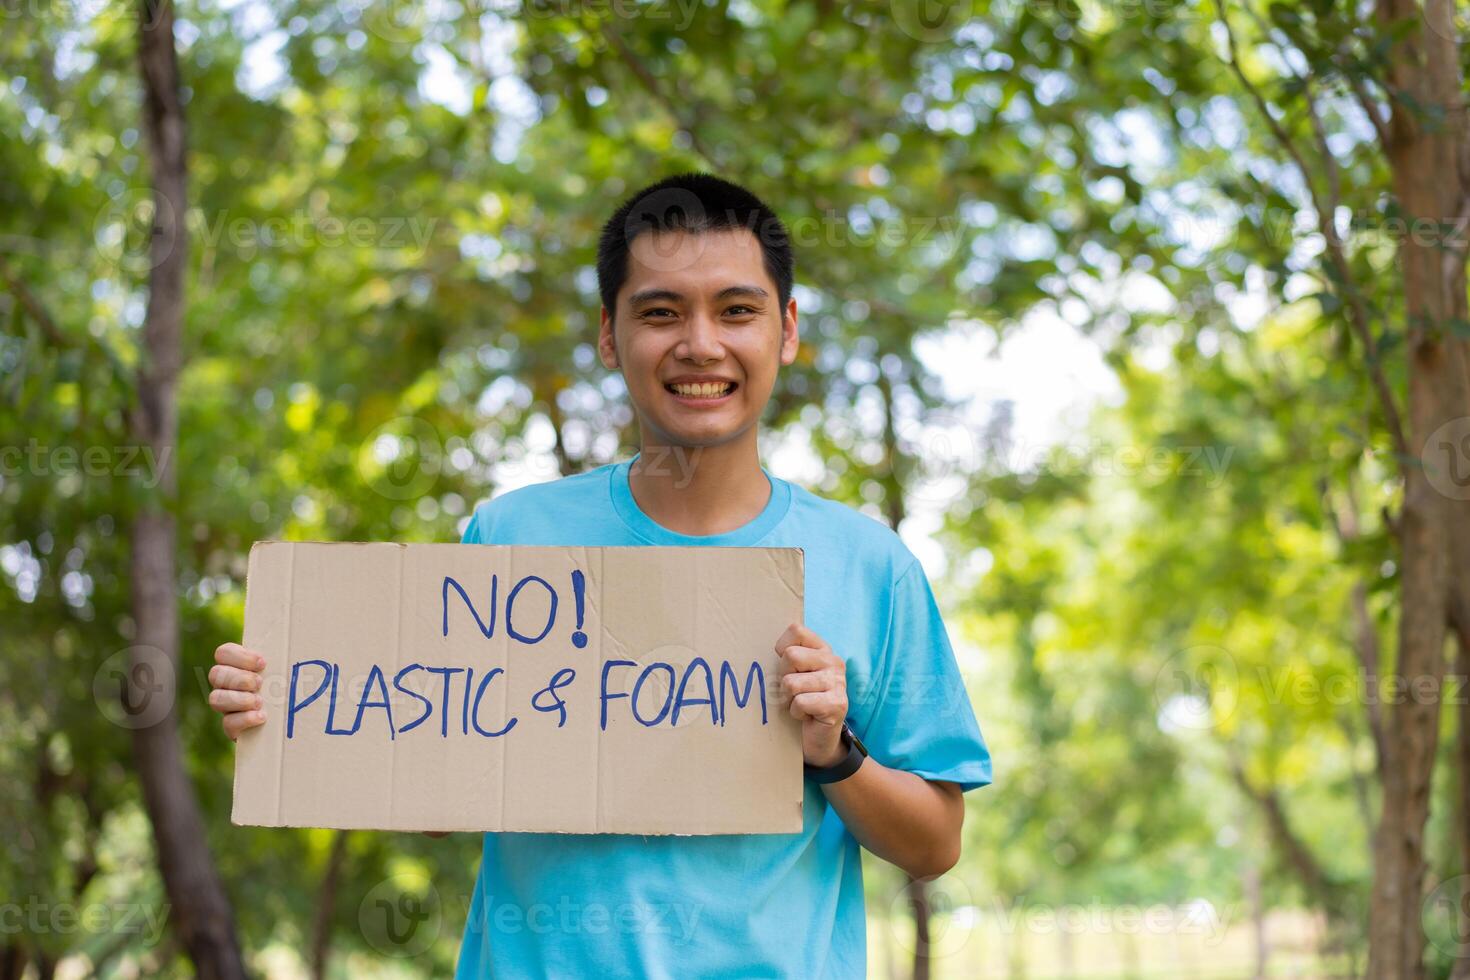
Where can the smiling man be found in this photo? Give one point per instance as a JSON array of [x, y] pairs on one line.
[[696, 275]]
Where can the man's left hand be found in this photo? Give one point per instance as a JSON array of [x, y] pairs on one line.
[[814, 684]]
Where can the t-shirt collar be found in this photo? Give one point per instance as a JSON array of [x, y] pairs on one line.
[[651, 531]]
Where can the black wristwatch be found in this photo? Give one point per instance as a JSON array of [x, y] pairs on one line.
[[856, 753]]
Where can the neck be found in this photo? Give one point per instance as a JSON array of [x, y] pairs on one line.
[[702, 490]]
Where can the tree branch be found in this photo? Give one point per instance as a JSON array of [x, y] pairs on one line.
[[33, 306], [1358, 315]]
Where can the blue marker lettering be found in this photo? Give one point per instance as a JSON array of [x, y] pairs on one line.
[[740, 701], [606, 697], [428, 705], [489, 631], [479, 695], [332, 704], [560, 679], [668, 695], [510, 605], [709, 685], [376, 674], [446, 673], [292, 705]]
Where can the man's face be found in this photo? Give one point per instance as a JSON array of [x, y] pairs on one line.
[[699, 333]]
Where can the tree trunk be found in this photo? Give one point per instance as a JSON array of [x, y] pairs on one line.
[[1424, 157], [1252, 888], [200, 910], [919, 902], [326, 906], [1461, 821]]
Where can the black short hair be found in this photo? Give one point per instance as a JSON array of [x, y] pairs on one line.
[[695, 202]]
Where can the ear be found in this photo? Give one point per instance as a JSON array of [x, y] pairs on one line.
[[607, 348], [790, 341]]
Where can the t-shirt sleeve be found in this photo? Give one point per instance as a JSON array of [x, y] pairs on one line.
[[477, 531], [921, 719], [472, 530]]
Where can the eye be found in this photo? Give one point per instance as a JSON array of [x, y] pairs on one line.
[[653, 314], [740, 311]]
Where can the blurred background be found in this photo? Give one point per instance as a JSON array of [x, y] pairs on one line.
[[1143, 321]]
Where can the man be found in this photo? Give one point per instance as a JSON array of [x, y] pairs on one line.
[[696, 276]]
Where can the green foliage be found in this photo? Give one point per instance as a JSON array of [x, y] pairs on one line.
[[392, 312]]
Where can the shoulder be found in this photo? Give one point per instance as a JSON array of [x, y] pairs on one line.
[[867, 541], [549, 497]]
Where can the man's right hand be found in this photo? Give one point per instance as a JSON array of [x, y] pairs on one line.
[[234, 682]]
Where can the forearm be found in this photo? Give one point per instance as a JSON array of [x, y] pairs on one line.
[[902, 818]]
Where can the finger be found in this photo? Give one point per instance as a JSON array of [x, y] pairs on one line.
[[820, 706], [795, 659], [225, 701], [234, 655], [811, 682], [799, 635], [240, 721], [233, 678]]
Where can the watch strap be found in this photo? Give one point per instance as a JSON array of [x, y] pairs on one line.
[[844, 767]]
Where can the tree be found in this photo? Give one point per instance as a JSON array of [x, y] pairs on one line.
[[205, 920]]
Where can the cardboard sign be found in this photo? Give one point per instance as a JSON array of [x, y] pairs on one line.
[[475, 687]]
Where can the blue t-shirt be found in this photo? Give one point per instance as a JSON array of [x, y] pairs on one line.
[[768, 905]]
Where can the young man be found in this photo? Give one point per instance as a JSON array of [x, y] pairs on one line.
[[696, 275]]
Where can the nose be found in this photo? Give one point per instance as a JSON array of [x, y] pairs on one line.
[[701, 340]]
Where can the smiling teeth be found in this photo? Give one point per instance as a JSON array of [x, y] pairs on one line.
[[703, 390]]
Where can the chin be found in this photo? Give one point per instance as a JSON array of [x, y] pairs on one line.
[[698, 437]]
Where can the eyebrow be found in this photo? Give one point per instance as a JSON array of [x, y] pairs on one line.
[[669, 295]]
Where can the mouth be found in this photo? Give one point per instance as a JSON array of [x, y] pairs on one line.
[[702, 392]]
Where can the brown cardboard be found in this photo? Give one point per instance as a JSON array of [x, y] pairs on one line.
[[360, 605]]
